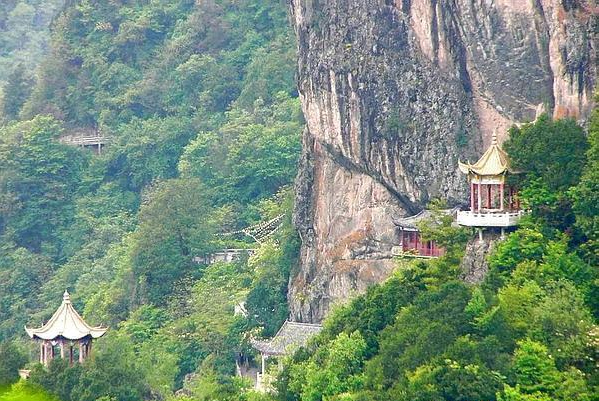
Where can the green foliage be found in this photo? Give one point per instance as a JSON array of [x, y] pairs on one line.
[[12, 358], [112, 372], [551, 150], [252, 155], [175, 224], [38, 181], [585, 196], [534, 369], [23, 391], [331, 371], [551, 155]]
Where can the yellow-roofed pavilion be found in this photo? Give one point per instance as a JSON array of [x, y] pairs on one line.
[[493, 203]]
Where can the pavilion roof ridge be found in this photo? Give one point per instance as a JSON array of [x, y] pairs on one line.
[[493, 162], [66, 323]]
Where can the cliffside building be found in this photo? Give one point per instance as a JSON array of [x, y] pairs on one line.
[[67, 331], [411, 243], [290, 337], [493, 203]]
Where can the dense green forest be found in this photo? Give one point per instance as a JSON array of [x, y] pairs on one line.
[[24, 40], [199, 102]]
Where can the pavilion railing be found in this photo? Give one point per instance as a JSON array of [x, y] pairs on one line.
[[489, 218]]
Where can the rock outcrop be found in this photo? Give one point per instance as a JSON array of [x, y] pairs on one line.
[[394, 92]]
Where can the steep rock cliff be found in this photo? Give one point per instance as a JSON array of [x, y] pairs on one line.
[[394, 92]]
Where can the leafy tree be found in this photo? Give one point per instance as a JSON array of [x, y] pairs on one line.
[[585, 195], [22, 274], [15, 92], [332, 370], [41, 176], [175, 225], [111, 372], [545, 147], [534, 369], [12, 359], [409, 341]]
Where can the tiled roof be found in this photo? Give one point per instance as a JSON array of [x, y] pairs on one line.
[[66, 323], [411, 222], [492, 163], [291, 335]]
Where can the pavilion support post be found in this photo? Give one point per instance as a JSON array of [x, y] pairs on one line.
[[480, 234], [61, 349], [472, 196], [479, 194], [489, 195], [263, 363], [80, 351], [71, 355], [42, 352], [416, 238], [49, 353], [501, 196]]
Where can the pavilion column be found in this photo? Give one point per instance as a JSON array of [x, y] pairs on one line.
[[71, 355], [80, 352], [501, 195], [472, 196], [49, 353], [42, 352], [479, 194], [263, 363], [489, 194], [416, 238], [61, 349]]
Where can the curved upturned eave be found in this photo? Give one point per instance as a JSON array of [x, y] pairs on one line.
[[67, 324]]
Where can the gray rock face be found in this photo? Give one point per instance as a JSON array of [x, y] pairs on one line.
[[474, 264], [394, 92]]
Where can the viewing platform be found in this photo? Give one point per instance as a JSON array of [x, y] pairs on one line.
[[224, 255], [87, 140], [484, 218]]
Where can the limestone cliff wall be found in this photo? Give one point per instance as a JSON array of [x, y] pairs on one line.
[[394, 92]]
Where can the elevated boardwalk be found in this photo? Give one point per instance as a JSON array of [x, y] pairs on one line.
[[224, 255], [87, 140]]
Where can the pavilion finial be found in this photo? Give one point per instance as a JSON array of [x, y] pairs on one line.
[[494, 138], [66, 298]]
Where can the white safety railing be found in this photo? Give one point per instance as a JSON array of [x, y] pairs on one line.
[[489, 219]]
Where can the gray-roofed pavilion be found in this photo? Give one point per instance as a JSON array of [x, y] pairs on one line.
[[290, 337]]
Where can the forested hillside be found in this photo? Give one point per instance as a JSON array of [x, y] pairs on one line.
[[197, 101], [24, 40]]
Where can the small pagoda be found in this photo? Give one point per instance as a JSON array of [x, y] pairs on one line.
[[493, 203], [290, 337], [67, 331]]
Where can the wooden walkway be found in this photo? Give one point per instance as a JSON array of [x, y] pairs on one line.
[[87, 141], [223, 255]]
